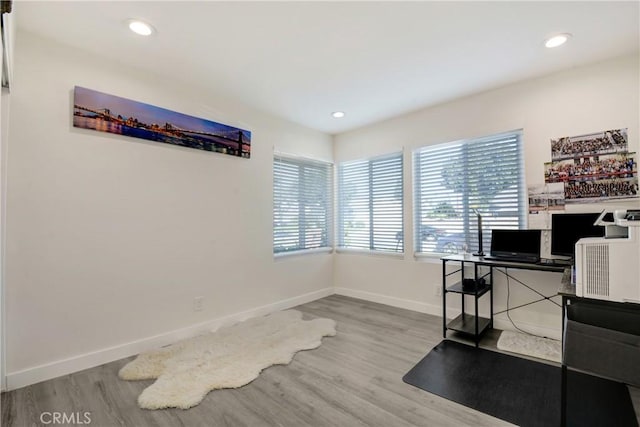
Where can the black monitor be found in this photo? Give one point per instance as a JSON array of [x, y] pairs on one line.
[[568, 228], [517, 244]]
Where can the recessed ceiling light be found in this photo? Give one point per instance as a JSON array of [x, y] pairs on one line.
[[337, 114], [557, 40], [140, 27]]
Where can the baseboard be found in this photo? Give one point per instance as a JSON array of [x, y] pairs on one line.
[[436, 310], [421, 307], [58, 368], [23, 378]]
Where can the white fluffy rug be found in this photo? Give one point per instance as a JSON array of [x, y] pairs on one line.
[[529, 345], [227, 358]]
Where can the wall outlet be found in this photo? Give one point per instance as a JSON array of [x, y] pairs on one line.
[[437, 290], [198, 303]]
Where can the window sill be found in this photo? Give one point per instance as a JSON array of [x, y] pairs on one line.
[[302, 252], [369, 252]]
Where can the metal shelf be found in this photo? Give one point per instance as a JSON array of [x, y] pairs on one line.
[[466, 324], [457, 288]]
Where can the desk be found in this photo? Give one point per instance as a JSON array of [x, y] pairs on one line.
[[474, 325]]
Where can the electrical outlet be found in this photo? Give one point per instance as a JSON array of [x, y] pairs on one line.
[[197, 303], [437, 290]]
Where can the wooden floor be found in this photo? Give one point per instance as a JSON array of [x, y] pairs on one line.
[[353, 379]]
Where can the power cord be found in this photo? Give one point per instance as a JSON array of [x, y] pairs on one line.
[[506, 273], [508, 309]]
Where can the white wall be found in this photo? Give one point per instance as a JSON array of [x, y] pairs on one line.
[[4, 140], [110, 239], [6, 52], [581, 100]]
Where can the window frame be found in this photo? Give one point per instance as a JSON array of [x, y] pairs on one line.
[[469, 221], [302, 164], [375, 249]]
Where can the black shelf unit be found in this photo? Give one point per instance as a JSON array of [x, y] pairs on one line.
[[466, 323]]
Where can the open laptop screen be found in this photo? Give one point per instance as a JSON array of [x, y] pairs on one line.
[[516, 244]]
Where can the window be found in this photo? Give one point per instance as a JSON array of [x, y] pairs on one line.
[[302, 204], [370, 204], [451, 180]]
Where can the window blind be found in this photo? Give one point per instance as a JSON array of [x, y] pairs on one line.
[[451, 180], [370, 204], [302, 204]]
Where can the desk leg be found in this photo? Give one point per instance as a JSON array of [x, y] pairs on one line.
[[475, 299], [462, 295], [444, 299], [563, 379], [563, 397], [564, 313], [491, 296]]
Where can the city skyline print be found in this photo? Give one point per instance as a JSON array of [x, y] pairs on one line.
[[108, 113]]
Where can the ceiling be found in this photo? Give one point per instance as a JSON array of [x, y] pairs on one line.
[[373, 60]]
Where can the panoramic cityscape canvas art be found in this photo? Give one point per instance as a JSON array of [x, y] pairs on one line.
[[108, 113]]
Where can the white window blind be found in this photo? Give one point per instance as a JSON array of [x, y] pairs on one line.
[[370, 204], [302, 204], [451, 180]]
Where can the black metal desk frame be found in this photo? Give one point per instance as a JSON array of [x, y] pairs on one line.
[[474, 325]]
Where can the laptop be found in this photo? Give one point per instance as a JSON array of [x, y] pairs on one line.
[[515, 245]]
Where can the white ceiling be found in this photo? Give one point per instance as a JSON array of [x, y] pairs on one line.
[[373, 60]]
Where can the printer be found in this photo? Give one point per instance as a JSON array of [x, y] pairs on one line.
[[608, 268]]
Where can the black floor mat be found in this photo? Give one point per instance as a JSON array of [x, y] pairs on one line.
[[518, 390]]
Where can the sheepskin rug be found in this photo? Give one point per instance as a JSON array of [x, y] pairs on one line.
[[542, 348], [227, 358]]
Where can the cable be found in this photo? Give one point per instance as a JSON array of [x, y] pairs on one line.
[[544, 297], [508, 309]]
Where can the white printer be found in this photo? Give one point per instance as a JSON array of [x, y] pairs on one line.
[[608, 268]]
